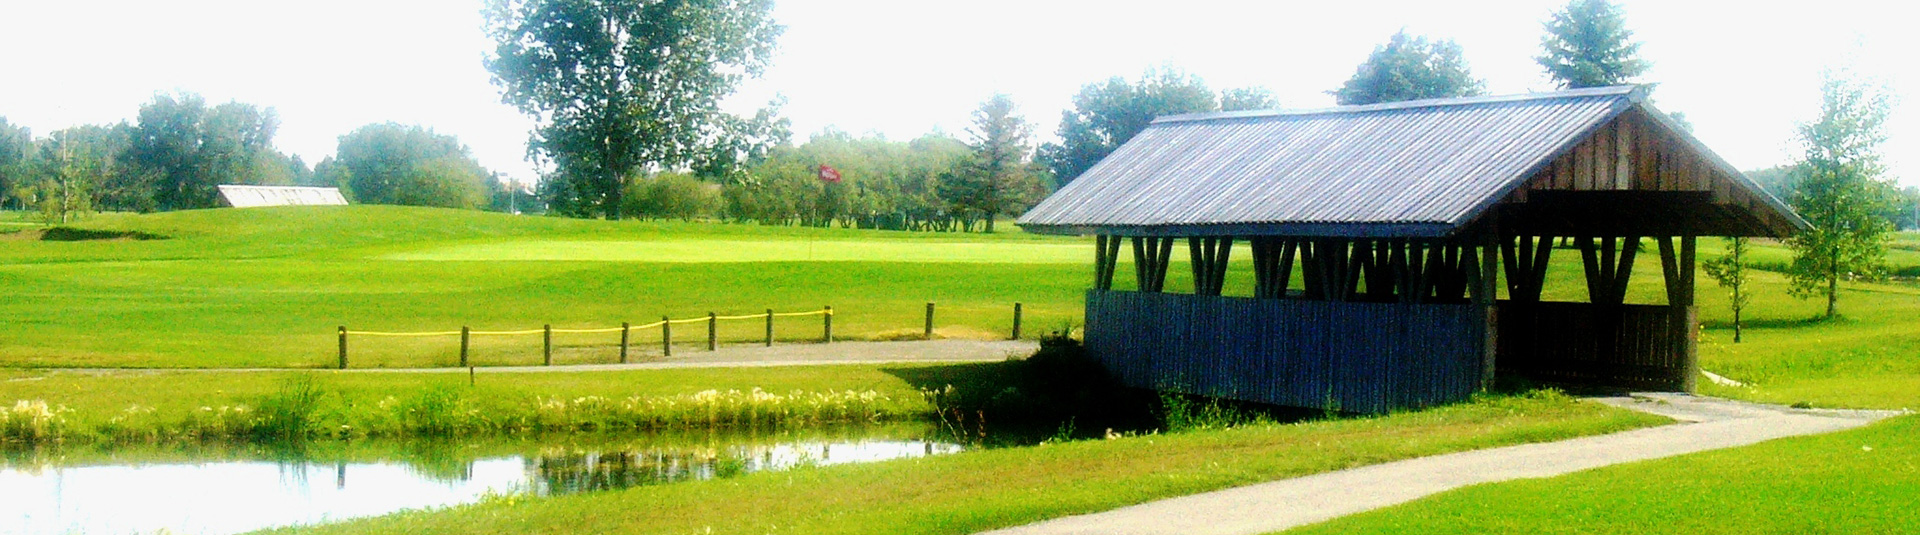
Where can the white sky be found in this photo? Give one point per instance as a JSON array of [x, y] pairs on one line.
[[1743, 73]]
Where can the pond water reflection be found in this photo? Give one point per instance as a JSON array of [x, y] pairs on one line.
[[219, 489]]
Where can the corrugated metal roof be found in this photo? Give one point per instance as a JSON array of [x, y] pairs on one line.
[[239, 196], [1417, 168]]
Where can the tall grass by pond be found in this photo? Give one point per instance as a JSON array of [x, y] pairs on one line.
[[302, 409]]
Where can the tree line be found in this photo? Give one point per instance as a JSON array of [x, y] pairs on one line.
[[178, 149]]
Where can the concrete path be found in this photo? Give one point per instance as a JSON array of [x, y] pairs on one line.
[[1706, 424], [728, 356]]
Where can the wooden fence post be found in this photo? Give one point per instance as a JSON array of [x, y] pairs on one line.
[[713, 332], [827, 324], [546, 351], [464, 335], [1016, 320], [928, 334], [666, 335], [626, 328], [343, 347], [769, 327]]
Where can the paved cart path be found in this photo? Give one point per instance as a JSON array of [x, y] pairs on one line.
[[741, 355], [1707, 424]]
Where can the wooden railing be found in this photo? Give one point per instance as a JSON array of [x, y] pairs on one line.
[[1638, 347], [1345, 356]]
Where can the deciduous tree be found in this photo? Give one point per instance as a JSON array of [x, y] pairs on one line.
[[390, 163], [1107, 114], [622, 86], [1730, 271], [1248, 98], [1840, 192], [16, 162], [1407, 68], [186, 148]]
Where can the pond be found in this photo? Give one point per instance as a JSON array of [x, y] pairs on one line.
[[204, 488]]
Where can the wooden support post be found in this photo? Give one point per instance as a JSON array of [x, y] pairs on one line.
[[713, 332], [1160, 267], [343, 347], [1016, 320], [1589, 258], [1689, 348], [1141, 268], [928, 334], [464, 335], [1687, 244], [546, 351], [769, 327], [626, 329], [1489, 341], [1198, 255], [826, 324], [1629, 246], [1272, 266], [1106, 254], [666, 336]]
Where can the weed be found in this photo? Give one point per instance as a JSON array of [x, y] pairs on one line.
[[33, 421], [288, 413], [1180, 413]]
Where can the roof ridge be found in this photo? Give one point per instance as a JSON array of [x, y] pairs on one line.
[[1630, 91]]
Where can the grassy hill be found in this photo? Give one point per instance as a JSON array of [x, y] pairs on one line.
[[267, 287]]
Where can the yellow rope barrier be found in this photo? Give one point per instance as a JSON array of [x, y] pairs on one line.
[[592, 331], [376, 333], [507, 333], [589, 331]]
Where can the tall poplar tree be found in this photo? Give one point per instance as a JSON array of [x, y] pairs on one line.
[[1588, 45], [1840, 192]]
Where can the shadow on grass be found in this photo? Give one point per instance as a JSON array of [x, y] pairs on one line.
[[1061, 393], [74, 234], [1775, 323]]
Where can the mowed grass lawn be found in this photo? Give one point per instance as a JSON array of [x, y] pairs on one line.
[[1864, 481], [268, 287]]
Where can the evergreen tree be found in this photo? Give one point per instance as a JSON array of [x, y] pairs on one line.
[[1840, 192], [996, 180], [1588, 45], [1409, 68]]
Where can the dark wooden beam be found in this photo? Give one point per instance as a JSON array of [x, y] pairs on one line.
[[1272, 266]]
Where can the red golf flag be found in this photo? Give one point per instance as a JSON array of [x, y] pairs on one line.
[[829, 174]]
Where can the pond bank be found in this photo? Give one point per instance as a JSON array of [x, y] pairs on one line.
[[222, 487]]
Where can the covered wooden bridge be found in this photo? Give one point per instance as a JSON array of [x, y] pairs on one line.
[[1421, 233]]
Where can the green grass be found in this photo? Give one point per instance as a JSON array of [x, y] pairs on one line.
[[1861, 481], [268, 287], [972, 491], [115, 406]]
